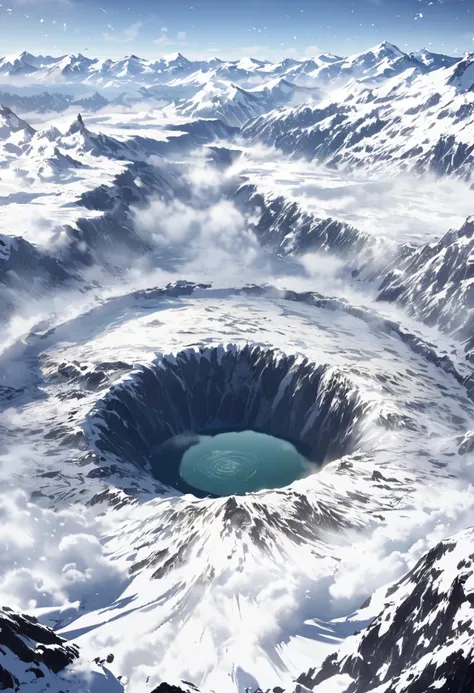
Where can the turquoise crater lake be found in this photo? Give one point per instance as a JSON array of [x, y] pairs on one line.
[[241, 462]]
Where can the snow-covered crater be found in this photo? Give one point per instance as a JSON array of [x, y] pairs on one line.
[[315, 407]]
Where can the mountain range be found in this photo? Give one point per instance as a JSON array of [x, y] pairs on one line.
[[415, 121], [380, 62]]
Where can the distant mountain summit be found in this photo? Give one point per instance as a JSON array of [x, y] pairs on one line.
[[462, 76], [434, 61], [378, 62], [10, 123]]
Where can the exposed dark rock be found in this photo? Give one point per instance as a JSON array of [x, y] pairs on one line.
[[167, 688], [422, 638], [38, 647], [434, 283]]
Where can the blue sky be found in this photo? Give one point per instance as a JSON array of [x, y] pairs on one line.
[[268, 29]]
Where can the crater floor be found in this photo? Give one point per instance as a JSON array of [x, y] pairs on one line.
[[241, 462]]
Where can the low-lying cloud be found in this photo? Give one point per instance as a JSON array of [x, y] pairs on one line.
[[52, 559]]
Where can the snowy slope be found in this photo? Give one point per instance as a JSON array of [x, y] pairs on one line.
[[411, 123], [31, 654], [435, 283], [421, 637], [235, 106], [11, 125], [434, 61], [374, 65]]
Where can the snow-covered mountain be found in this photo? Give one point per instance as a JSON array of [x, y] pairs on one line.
[[236, 90], [235, 106], [412, 122], [18, 137], [421, 636], [461, 77], [47, 102], [375, 65], [435, 284], [31, 653], [434, 61], [11, 125], [17, 65], [68, 67]]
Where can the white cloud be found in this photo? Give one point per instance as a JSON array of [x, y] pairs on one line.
[[165, 39], [128, 35], [394, 550], [311, 51], [211, 240], [52, 558]]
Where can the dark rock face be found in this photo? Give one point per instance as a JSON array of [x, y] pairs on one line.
[[167, 688], [41, 651], [215, 390], [423, 637], [435, 284], [285, 228], [191, 688], [25, 267]]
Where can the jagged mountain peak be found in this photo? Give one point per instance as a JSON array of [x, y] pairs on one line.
[[30, 651], [177, 57], [462, 74], [329, 57], [249, 63], [234, 104], [17, 64], [433, 60], [23, 55], [389, 48], [376, 62], [426, 618], [76, 126], [50, 133], [383, 50], [11, 123]]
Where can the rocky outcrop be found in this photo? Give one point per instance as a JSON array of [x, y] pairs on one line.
[[422, 638], [435, 284], [287, 229], [30, 651]]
